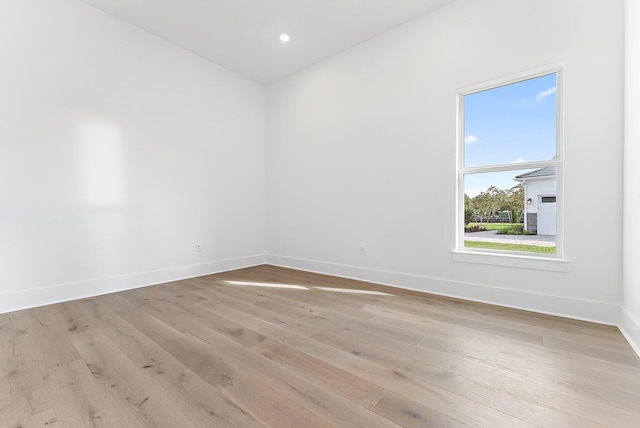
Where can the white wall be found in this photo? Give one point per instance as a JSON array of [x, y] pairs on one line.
[[534, 188], [119, 153], [631, 247], [361, 151], [545, 219]]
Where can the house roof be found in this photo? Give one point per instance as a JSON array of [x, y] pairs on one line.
[[538, 173]]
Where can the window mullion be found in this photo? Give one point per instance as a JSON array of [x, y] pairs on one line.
[[509, 167]]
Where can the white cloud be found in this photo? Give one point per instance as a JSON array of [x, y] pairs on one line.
[[470, 139], [519, 160], [544, 94]]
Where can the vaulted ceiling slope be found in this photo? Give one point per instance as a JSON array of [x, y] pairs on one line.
[[243, 35]]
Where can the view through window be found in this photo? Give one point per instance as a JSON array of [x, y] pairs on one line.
[[509, 166]]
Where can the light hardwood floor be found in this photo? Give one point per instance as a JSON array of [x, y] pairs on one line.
[[267, 346]]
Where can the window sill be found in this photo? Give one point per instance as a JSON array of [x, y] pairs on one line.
[[511, 260]]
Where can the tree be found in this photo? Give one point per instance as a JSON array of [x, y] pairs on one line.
[[482, 205], [494, 200], [515, 201]]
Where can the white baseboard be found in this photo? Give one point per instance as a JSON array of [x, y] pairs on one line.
[[630, 328], [585, 310], [25, 299]]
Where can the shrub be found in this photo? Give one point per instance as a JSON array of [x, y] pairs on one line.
[[475, 228], [468, 216], [516, 229], [514, 215]]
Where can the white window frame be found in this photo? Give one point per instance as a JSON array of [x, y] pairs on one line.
[[556, 262]]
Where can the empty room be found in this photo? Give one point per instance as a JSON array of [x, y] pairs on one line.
[[286, 213]]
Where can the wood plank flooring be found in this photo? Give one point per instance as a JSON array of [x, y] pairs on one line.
[[268, 346]]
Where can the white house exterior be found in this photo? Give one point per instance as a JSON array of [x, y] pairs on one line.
[[539, 200]]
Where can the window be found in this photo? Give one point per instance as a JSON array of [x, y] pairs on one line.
[[510, 166]]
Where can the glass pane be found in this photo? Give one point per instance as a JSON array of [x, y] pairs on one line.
[[511, 210], [510, 124]]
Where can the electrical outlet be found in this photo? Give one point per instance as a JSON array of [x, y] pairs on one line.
[[198, 248], [362, 250]]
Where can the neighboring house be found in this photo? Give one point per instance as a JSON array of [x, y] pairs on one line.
[[539, 200]]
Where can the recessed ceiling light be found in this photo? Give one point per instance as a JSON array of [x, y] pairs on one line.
[[284, 37]]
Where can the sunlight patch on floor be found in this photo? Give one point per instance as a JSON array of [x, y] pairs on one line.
[[267, 284], [353, 291], [301, 287]]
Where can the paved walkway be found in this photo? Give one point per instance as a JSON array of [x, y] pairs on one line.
[[492, 236]]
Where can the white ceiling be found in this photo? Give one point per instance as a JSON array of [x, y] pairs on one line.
[[243, 35]]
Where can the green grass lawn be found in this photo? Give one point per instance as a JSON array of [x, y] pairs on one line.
[[510, 247], [493, 226]]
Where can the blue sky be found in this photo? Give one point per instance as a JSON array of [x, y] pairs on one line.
[[507, 125]]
